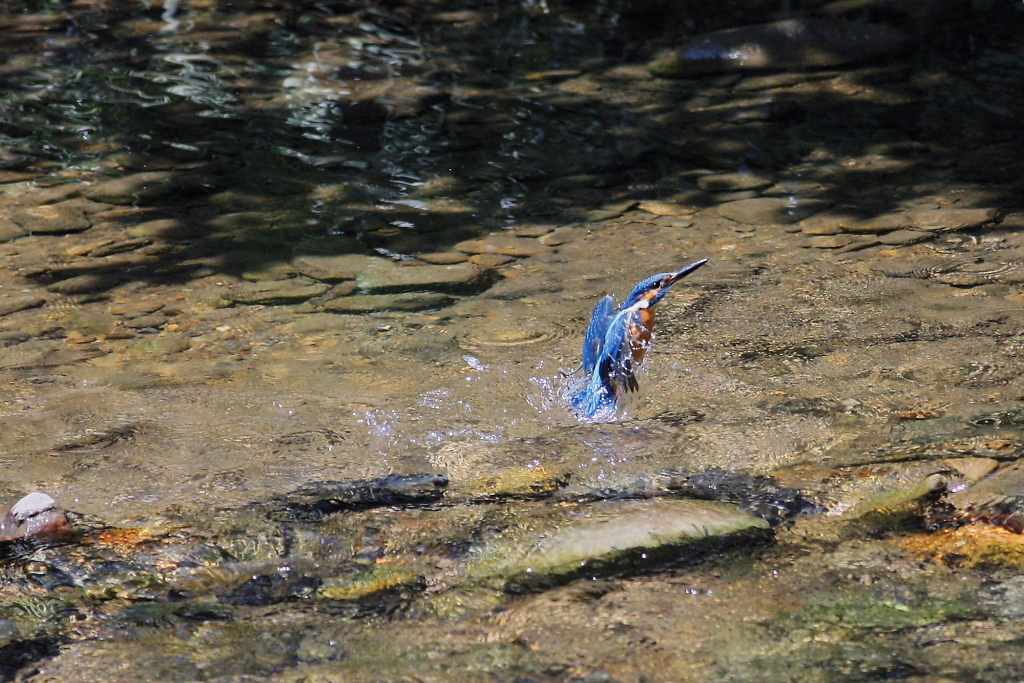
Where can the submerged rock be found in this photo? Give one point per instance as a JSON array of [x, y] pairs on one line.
[[769, 210], [383, 277], [323, 497], [19, 302], [367, 303], [791, 44], [278, 292], [607, 537]]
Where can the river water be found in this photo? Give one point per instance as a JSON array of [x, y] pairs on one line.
[[250, 246]]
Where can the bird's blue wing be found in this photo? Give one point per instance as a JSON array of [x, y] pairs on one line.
[[616, 363], [593, 341]]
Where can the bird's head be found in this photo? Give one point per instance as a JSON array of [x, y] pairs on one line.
[[655, 287]]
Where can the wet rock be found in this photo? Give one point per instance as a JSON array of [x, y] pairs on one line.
[[162, 345], [38, 353], [972, 546], [532, 230], [608, 537], [379, 580], [166, 229], [791, 44], [36, 515], [9, 230], [529, 483], [119, 246], [384, 276], [278, 292], [949, 220], [901, 237], [660, 208], [858, 243], [334, 268], [732, 182], [490, 260], [442, 258], [931, 220], [52, 219], [324, 497], [91, 322], [821, 224], [501, 243], [145, 321], [769, 210], [81, 284], [58, 193], [19, 302], [147, 187], [830, 241], [562, 235], [368, 303], [962, 279]]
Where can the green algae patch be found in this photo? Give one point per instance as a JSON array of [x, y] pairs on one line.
[[379, 580]]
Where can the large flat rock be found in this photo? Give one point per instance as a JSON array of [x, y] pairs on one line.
[[387, 277]]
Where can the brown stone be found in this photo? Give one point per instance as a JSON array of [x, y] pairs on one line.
[[491, 260], [502, 243], [52, 219], [19, 302]]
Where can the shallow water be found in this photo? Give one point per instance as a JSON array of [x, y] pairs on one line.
[[211, 217]]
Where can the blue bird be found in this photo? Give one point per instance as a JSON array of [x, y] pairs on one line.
[[617, 341]]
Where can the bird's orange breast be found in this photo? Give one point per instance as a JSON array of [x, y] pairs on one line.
[[640, 334]]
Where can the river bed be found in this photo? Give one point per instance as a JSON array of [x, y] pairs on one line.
[[250, 248]]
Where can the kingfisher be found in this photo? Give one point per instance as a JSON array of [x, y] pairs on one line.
[[616, 342]]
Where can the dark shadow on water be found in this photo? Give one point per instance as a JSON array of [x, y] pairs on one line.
[[274, 129]]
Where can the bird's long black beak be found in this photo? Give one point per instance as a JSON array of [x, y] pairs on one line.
[[683, 272]]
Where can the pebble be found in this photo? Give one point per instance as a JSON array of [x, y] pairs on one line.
[[335, 268], [442, 258], [119, 247], [367, 303], [770, 210], [562, 235], [19, 302], [723, 197], [164, 228], [532, 230], [732, 182], [386, 277], [278, 292], [857, 244], [659, 208], [961, 279], [491, 260], [136, 308], [52, 219], [145, 321], [57, 193], [163, 345], [822, 224], [89, 282], [830, 241], [900, 237], [948, 220], [503, 243], [932, 220]]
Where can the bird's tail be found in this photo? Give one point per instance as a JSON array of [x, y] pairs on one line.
[[596, 400]]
